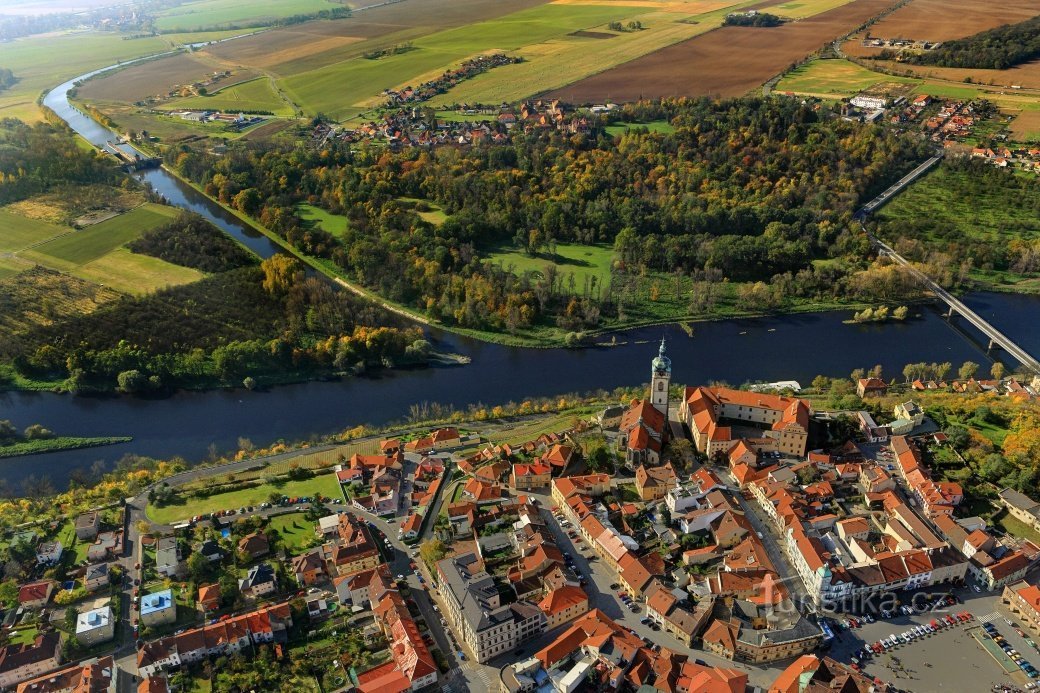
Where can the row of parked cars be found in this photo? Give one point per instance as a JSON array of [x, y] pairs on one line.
[[909, 636], [1010, 651]]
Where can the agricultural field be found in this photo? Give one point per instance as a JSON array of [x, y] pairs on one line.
[[217, 14], [155, 78], [726, 62], [96, 253], [800, 9], [836, 79], [942, 20], [38, 296], [325, 484], [584, 262], [255, 94], [44, 62]]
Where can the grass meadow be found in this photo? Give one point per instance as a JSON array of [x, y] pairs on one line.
[[584, 262], [207, 14], [256, 95], [325, 484], [835, 78], [336, 224]]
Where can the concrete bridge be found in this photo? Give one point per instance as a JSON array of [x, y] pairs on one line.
[[954, 304]]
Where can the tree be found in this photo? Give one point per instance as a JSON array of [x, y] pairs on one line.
[[943, 369], [900, 313], [857, 375], [431, 551], [281, 272], [967, 370], [199, 567], [821, 383], [132, 381], [997, 370], [37, 432]]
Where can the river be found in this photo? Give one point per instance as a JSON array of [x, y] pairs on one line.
[[776, 348]]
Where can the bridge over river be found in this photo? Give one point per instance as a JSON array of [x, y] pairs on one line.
[[955, 305]]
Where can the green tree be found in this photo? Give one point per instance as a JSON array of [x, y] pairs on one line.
[[967, 370], [432, 550], [997, 370]]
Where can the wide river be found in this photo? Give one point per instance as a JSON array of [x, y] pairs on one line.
[[781, 348]]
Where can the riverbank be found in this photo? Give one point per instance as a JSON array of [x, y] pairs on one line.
[[57, 444]]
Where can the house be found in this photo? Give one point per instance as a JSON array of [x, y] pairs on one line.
[[168, 559], [48, 552], [209, 598], [28, 660], [1024, 600], [481, 492], [92, 676], [668, 608], [441, 439], [1021, 506], [95, 626], [529, 476], [558, 457], [96, 576], [871, 387], [309, 568], [254, 545], [158, 608], [35, 594], [106, 545], [87, 525], [811, 674], [910, 411], [654, 483], [563, 604], [211, 551], [996, 573], [410, 527], [258, 582]]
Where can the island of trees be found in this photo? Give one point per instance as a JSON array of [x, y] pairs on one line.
[[995, 49], [752, 19]]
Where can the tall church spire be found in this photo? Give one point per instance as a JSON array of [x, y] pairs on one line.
[[660, 379]]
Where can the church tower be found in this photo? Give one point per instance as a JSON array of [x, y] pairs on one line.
[[660, 379]]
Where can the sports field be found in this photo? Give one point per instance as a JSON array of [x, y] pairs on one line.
[[208, 14], [584, 262], [252, 95]]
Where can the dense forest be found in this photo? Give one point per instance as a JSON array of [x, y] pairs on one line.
[[743, 190], [996, 49], [191, 241], [752, 19], [36, 158], [235, 327]]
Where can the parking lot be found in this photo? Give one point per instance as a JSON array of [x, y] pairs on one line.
[[949, 659]]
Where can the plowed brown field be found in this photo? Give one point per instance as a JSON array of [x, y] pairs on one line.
[[726, 62], [942, 20], [155, 77]]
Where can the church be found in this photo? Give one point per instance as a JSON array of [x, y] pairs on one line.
[[644, 425]]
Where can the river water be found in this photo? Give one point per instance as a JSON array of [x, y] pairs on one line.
[[777, 348]]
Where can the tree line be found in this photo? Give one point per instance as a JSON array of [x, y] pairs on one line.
[[36, 158], [752, 188], [995, 49]]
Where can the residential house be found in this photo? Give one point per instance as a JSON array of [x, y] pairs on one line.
[[35, 595], [95, 626], [91, 676], [258, 582], [28, 660], [563, 604], [309, 568], [671, 610], [107, 545], [96, 576], [365, 587], [411, 526], [1024, 600], [654, 483], [254, 545], [529, 476], [911, 411], [1021, 506], [870, 387], [209, 598], [87, 525], [210, 550], [168, 559], [48, 552], [158, 608]]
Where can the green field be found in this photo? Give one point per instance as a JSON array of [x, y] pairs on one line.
[[803, 8], [296, 532], [325, 484], [229, 13], [81, 247], [336, 224], [839, 78], [434, 215], [20, 232], [581, 260], [662, 126], [254, 95], [343, 88], [97, 253]]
